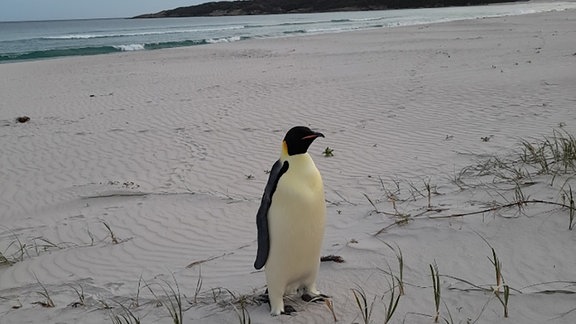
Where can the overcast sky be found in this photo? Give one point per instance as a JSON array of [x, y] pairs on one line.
[[11, 10]]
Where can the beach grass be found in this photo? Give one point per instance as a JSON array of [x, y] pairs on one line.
[[435, 275], [552, 157], [21, 249], [4, 260], [330, 305], [47, 302], [80, 294], [390, 299], [553, 154], [497, 271], [364, 303], [400, 259], [172, 299], [568, 196], [242, 312], [198, 285], [126, 317], [393, 299], [113, 236], [136, 298], [501, 290]]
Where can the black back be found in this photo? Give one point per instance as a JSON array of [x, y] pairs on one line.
[[278, 169]]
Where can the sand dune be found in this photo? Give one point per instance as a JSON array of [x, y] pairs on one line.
[[170, 149]]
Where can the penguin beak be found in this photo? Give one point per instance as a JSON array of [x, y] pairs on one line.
[[313, 136]]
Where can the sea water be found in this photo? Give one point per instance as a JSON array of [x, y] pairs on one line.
[[32, 40]]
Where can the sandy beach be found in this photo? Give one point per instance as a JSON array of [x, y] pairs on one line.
[[137, 179]]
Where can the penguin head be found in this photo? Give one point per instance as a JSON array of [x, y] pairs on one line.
[[298, 139]]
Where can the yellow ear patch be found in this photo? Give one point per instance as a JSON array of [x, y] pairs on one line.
[[284, 154]]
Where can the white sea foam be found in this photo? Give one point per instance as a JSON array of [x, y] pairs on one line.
[[75, 36], [131, 47], [148, 33], [223, 40]]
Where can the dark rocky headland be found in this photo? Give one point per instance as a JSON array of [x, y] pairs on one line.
[[264, 7]]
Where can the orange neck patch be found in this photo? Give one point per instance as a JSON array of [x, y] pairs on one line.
[[284, 154]]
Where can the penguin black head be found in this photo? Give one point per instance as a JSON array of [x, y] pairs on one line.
[[299, 138]]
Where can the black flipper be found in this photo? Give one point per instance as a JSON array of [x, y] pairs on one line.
[[278, 169]]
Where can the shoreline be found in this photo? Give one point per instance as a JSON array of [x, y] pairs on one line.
[[129, 41]]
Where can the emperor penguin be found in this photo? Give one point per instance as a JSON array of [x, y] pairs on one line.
[[290, 222]]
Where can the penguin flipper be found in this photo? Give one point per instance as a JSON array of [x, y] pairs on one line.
[[278, 169]]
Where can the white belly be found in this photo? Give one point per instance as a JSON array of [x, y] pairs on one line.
[[296, 225]]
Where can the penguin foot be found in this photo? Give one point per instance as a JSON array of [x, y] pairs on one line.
[[316, 298], [288, 310], [264, 298]]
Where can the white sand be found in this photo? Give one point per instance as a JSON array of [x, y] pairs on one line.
[[169, 148]]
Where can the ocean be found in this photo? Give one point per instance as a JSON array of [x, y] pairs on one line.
[[34, 40]]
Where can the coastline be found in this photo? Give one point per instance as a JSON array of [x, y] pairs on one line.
[[169, 148], [25, 41]]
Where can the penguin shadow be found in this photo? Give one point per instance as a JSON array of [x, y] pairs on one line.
[[289, 309]]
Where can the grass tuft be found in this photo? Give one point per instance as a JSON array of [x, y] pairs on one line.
[[555, 154], [437, 290], [504, 299], [242, 313], [330, 305], [501, 290], [173, 300], [4, 260], [198, 284], [81, 298], [428, 192], [47, 302], [400, 258], [571, 207], [364, 306], [395, 292], [113, 237], [21, 249], [136, 299], [497, 270], [393, 301], [127, 317], [372, 203]]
